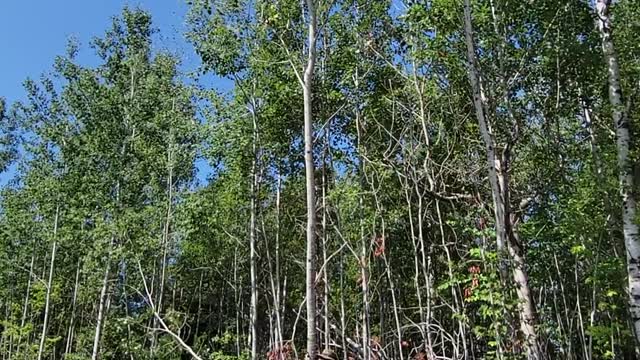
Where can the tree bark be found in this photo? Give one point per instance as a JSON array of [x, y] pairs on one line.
[[498, 168], [623, 139], [253, 313], [325, 240], [95, 353], [72, 321], [310, 183], [47, 301], [26, 300]]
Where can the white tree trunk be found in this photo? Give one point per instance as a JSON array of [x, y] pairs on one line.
[[623, 139], [95, 353], [310, 183], [325, 240], [47, 301], [253, 313], [278, 297], [165, 243], [70, 332]]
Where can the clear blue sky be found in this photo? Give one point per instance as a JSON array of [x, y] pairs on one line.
[[33, 32]]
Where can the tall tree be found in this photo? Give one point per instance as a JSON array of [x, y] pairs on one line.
[[498, 168], [625, 167]]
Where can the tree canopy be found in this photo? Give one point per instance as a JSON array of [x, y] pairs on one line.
[[445, 179]]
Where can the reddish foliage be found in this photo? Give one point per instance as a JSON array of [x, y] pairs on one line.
[[467, 293], [379, 250], [474, 269], [475, 281], [283, 352], [420, 356]]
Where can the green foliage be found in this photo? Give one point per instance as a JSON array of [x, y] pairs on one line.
[[401, 184]]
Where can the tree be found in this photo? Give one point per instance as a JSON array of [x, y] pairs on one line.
[[626, 178], [451, 194]]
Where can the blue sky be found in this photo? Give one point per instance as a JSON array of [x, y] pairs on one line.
[[34, 32]]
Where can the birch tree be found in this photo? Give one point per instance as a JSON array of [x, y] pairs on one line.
[[625, 175]]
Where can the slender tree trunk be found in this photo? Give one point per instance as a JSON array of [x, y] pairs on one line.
[[479, 101], [343, 320], [392, 288], [6, 354], [237, 299], [366, 306], [47, 301], [416, 260], [325, 240], [498, 177], [623, 140], [165, 241], [125, 304], [310, 183], [364, 244], [253, 316], [274, 281], [102, 304], [426, 274], [104, 301], [459, 310], [197, 329], [72, 321], [27, 295], [278, 300]]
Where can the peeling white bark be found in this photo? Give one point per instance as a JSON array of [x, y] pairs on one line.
[[623, 139]]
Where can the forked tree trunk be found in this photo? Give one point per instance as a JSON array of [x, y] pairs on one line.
[[623, 139], [498, 168]]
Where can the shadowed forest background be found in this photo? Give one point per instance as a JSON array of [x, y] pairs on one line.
[[444, 179]]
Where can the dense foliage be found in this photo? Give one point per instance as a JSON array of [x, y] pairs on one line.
[[472, 192]]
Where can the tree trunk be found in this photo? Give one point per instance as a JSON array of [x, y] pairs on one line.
[[310, 184], [325, 240], [364, 244], [72, 321], [278, 297], [47, 301], [498, 177], [101, 307], [343, 321], [237, 299], [253, 313], [26, 300], [623, 139]]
